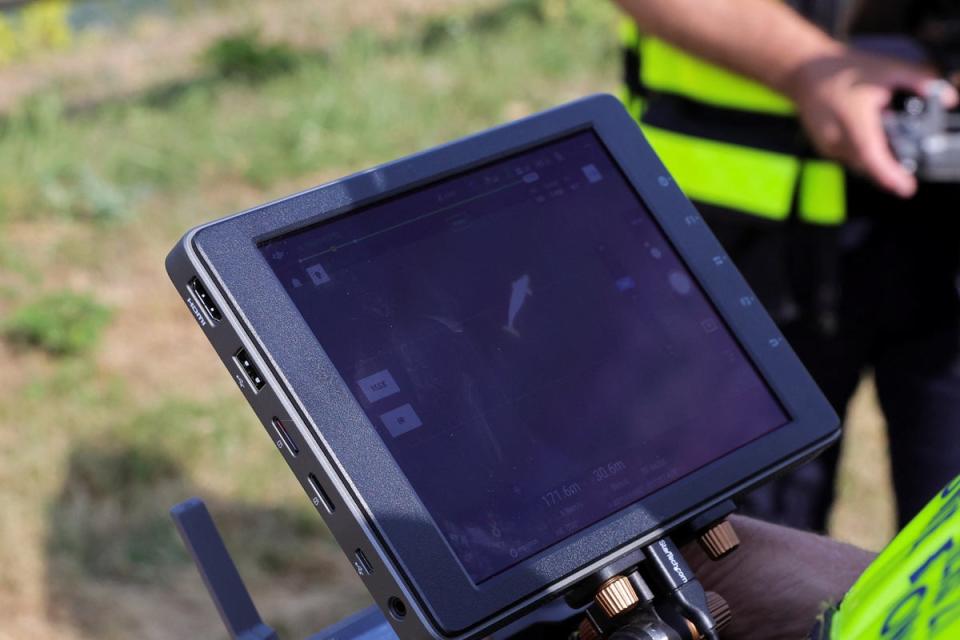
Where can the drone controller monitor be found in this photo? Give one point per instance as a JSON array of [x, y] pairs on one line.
[[501, 362], [527, 344]]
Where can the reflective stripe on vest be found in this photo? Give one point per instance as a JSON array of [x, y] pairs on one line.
[[732, 176], [751, 180], [736, 175], [670, 70], [823, 194], [912, 590]]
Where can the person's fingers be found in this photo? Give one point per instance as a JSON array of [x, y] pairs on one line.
[[872, 150], [914, 79], [949, 96], [922, 82]]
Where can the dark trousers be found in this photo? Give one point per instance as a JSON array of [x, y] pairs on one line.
[[880, 294]]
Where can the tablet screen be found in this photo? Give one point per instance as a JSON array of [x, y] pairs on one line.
[[529, 346]]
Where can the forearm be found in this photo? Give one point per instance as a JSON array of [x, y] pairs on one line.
[[781, 570], [761, 39]]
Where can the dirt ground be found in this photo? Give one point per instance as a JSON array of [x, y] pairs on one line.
[[107, 65], [864, 513], [43, 597], [178, 607]]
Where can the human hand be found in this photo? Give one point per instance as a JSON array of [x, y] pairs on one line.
[[840, 99], [780, 579]]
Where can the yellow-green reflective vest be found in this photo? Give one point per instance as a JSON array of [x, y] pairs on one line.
[[912, 590], [729, 141]]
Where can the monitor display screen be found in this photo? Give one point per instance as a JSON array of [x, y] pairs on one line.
[[527, 343]]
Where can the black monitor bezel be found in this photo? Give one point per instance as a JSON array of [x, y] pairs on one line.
[[419, 551]]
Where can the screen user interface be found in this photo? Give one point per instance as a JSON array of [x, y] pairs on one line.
[[528, 345]]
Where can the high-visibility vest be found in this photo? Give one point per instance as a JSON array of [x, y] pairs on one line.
[[912, 590], [729, 142]]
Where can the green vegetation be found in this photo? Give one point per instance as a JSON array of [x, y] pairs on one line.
[[142, 415], [246, 57], [136, 413], [367, 98], [61, 323]]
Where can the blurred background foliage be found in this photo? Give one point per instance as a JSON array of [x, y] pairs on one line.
[[124, 122], [36, 28]]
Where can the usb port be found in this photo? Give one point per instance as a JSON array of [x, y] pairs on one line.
[[361, 564], [200, 294], [243, 360], [284, 436], [319, 496]]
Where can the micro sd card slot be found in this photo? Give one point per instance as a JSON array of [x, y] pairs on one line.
[[318, 495]]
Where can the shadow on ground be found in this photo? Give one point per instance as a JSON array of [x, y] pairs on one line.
[[114, 558]]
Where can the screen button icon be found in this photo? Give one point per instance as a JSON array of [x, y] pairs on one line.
[[591, 172], [626, 283], [401, 420], [378, 385], [318, 275], [709, 325], [680, 282]]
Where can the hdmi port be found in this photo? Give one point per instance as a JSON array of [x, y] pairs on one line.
[[200, 293]]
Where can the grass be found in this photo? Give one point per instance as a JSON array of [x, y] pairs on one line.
[[353, 105], [60, 323], [141, 415], [245, 56], [107, 418]]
